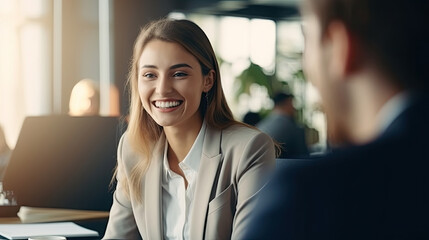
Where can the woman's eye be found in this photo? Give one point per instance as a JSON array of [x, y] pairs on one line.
[[149, 75], [180, 74]]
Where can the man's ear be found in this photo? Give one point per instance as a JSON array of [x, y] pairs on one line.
[[344, 48], [209, 81]]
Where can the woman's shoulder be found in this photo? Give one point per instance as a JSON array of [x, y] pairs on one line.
[[241, 129], [243, 145], [240, 133]]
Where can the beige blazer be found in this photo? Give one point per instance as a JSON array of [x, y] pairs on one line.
[[234, 166]]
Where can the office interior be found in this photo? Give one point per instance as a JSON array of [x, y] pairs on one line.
[[47, 46]]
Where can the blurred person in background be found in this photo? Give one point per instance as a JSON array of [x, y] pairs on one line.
[[5, 153], [251, 118], [280, 124], [85, 99], [186, 169], [369, 61]]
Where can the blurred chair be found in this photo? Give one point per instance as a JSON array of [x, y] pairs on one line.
[[64, 162]]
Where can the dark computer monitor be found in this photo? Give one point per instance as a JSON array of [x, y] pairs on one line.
[[64, 162]]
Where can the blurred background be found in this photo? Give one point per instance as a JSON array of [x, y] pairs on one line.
[[48, 46]]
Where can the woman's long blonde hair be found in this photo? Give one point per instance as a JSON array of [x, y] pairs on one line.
[[143, 131]]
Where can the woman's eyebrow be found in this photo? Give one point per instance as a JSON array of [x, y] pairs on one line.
[[149, 66], [180, 65], [175, 66]]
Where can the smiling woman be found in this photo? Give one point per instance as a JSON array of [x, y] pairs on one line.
[[186, 168], [169, 83]]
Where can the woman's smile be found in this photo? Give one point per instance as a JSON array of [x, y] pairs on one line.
[[167, 105]]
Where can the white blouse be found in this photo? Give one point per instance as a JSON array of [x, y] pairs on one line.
[[177, 200]]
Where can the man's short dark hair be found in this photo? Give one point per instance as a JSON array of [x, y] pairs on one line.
[[281, 97], [393, 33]]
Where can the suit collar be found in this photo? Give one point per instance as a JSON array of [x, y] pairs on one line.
[[409, 118], [207, 174], [152, 190], [192, 159], [392, 109], [212, 141]]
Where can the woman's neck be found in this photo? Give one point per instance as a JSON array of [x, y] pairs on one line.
[[180, 139]]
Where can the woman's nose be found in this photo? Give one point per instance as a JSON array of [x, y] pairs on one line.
[[164, 85]]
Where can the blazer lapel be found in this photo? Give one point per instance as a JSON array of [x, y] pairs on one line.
[[210, 160], [152, 193]]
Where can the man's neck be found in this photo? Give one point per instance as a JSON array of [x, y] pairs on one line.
[[282, 111], [369, 95]]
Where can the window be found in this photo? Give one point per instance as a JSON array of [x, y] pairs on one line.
[[277, 48], [25, 62], [46, 47]]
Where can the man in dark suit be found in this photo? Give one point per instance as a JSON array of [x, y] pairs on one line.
[[280, 124], [369, 61]]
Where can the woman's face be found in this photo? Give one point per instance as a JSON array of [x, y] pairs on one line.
[[170, 84]]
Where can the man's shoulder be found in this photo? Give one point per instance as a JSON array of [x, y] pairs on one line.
[[375, 161], [278, 126], [267, 122], [344, 163]]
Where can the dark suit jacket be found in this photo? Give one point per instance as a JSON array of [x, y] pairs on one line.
[[376, 191], [286, 132]]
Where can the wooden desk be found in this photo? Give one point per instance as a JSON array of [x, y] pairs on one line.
[[9, 220], [94, 220]]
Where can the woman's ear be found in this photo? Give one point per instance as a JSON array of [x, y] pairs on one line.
[[209, 81]]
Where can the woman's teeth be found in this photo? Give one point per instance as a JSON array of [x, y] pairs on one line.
[[168, 104]]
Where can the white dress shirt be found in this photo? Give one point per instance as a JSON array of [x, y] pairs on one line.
[[177, 200], [392, 109]]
